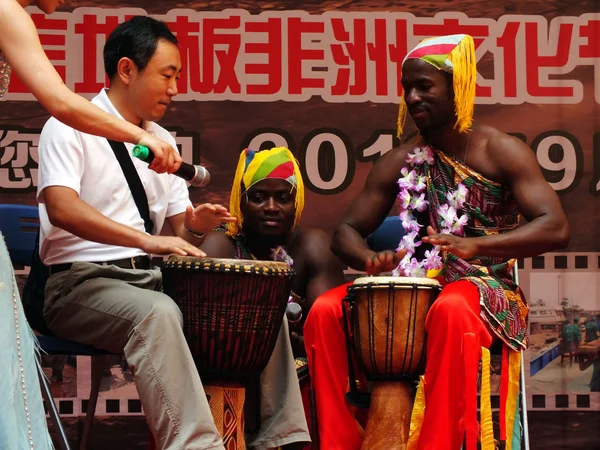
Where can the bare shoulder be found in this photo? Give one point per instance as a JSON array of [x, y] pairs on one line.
[[505, 157], [217, 244], [500, 145], [313, 247], [310, 242], [395, 159], [311, 235]]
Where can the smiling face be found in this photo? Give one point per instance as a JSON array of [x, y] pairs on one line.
[[429, 95], [268, 209]]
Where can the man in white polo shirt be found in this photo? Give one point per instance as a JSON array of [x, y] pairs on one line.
[[102, 289]]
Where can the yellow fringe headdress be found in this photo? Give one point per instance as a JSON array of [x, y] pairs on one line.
[[454, 54], [278, 163]]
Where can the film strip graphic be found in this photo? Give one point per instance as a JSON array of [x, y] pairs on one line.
[[577, 261], [559, 400], [74, 407], [554, 384]]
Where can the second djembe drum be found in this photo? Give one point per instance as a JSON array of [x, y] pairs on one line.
[[232, 314], [387, 333]]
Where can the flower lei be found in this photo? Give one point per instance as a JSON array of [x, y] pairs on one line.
[[412, 193], [279, 254]]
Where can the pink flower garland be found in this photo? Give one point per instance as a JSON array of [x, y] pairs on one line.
[[412, 193], [279, 254]]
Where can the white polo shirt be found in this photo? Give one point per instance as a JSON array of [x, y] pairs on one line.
[[87, 164]]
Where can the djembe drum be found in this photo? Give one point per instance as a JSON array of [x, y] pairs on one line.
[[387, 320], [232, 313]]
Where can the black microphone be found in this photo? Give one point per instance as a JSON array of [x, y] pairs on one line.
[[293, 312], [197, 176]]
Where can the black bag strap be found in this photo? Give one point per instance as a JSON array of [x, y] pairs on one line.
[[134, 182], [33, 291]]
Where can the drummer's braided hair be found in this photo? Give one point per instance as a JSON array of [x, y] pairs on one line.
[[252, 167]]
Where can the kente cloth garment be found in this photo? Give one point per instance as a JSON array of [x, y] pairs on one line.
[[491, 209], [255, 166]]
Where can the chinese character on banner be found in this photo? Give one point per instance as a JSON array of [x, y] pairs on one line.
[[18, 160], [221, 42], [306, 57], [361, 50], [52, 33], [349, 51], [263, 56], [505, 61], [551, 53], [398, 51], [590, 31], [589, 49], [188, 36], [94, 30]]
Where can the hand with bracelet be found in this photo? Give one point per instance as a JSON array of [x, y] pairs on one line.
[[204, 218]]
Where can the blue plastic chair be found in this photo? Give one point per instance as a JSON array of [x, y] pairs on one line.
[[387, 236], [19, 225]]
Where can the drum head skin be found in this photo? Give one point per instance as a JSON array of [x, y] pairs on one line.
[[397, 281], [228, 265]]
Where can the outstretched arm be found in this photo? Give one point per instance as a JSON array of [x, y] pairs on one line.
[[21, 46], [547, 227], [367, 212], [199, 220], [67, 211]]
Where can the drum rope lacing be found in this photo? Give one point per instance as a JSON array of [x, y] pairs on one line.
[[233, 266]]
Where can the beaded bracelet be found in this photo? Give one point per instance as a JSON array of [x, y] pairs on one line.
[[196, 235]]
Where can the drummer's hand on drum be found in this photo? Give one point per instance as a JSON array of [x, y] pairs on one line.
[[206, 216], [384, 261], [166, 158], [464, 248], [167, 245]]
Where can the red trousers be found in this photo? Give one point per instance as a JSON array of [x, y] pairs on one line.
[[455, 334]]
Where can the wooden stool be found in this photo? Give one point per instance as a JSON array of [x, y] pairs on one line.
[[227, 407], [226, 402]]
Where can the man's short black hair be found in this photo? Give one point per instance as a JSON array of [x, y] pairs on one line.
[[137, 40]]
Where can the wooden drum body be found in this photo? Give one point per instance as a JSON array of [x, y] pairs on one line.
[[388, 336], [232, 314]]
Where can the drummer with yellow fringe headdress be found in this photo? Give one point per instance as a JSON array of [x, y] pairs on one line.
[[455, 55], [253, 167], [267, 198], [470, 184]]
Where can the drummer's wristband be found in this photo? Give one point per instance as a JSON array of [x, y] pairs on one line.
[[196, 235]]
